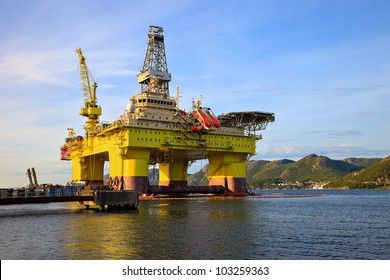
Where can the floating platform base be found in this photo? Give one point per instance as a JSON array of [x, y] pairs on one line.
[[159, 190], [222, 197]]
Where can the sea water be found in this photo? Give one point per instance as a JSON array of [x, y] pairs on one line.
[[343, 224]]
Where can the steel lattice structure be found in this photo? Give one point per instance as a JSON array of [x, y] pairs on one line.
[[154, 76], [251, 122]]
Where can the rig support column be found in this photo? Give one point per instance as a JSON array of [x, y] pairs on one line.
[[228, 170], [173, 174], [129, 170], [88, 168]]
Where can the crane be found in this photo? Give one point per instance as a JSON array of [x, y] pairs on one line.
[[90, 109]]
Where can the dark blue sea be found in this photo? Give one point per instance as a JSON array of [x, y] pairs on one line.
[[343, 224]]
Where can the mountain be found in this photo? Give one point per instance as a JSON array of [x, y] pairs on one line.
[[375, 176], [362, 162], [346, 173], [310, 168], [266, 172], [199, 178], [313, 167]]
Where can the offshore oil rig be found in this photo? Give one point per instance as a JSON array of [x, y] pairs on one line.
[[154, 130]]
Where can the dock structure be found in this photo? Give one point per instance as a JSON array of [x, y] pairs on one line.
[[113, 199], [101, 198], [42, 195], [153, 131]]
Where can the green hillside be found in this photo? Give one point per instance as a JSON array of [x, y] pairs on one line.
[[200, 177], [314, 168], [374, 176], [362, 162], [261, 173]]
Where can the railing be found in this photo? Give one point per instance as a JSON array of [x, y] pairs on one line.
[[45, 192]]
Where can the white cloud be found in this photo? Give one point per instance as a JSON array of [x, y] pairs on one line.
[[268, 151], [24, 68]]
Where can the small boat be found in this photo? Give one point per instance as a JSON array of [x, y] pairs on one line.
[[215, 121], [202, 117]]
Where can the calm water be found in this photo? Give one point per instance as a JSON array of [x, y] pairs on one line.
[[341, 225]]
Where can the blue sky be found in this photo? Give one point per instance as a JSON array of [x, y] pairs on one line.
[[323, 68]]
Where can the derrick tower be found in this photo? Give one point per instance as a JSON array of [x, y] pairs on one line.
[[154, 76], [153, 130]]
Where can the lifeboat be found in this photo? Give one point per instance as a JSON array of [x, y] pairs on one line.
[[202, 117], [196, 128], [213, 119]]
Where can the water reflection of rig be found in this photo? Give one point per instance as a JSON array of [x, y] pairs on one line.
[[153, 130]]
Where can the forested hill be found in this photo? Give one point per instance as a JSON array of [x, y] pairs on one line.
[[314, 168], [375, 176]]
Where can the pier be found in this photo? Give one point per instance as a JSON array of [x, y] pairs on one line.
[[101, 198]]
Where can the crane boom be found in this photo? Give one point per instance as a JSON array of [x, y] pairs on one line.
[[89, 93], [90, 109]]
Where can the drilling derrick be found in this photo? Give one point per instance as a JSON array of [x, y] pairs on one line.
[[154, 76]]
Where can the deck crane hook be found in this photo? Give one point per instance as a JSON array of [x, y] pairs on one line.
[[90, 109]]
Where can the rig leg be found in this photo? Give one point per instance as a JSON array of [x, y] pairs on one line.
[[174, 174], [228, 170], [130, 170], [136, 175], [88, 168]]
